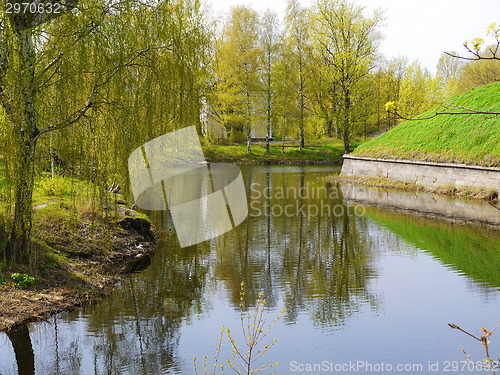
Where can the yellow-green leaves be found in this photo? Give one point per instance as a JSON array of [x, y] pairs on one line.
[[494, 30], [390, 106], [477, 43]]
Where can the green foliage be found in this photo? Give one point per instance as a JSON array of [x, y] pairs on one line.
[[418, 91], [472, 251], [86, 90], [23, 280], [347, 43], [321, 151], [57, 186], [237, 63], [255, 330], [477, 73], [469, 139], [52, 265]]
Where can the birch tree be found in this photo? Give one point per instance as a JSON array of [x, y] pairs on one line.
[[297, 28], [270, 39], [237, 69], [348, 41]]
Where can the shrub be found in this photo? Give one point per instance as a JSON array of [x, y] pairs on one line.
[[23, 280]]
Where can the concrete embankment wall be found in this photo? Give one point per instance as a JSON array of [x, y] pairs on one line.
[[424, 203], [424, 173]]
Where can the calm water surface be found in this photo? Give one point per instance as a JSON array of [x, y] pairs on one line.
[[367, 290]]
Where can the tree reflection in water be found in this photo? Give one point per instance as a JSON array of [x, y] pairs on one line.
[[319, 261], [317, 265]]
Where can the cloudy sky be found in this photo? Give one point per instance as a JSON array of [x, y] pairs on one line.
[[417, 29]]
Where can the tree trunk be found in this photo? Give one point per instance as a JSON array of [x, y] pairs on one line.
[[283, 133], [301, 122], [21, 111], [18, 244], [268, 136], [302, 106], [248, 122], [269, 110], [347, 120], [268, 129], [23, 349]]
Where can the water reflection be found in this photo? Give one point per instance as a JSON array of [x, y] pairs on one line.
[[147, 312], [23, 350], [315, 252], [471, 251], [305, 249]]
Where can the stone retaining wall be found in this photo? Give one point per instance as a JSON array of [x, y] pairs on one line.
[[424, 203], [424, 173]]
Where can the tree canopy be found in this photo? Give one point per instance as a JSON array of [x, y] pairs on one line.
[[83, 87]]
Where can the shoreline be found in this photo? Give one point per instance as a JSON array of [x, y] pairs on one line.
[[277, 162], [78, 275], [328, 151], [387, 183], [75, 272]]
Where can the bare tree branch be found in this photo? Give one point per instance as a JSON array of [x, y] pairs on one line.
[[477, 56], [493, 30], [467, 111]]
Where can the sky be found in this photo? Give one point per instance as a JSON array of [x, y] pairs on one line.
[[416, 29]]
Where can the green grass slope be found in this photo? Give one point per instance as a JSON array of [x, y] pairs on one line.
[[467, 139]]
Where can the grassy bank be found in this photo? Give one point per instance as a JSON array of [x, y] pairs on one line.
[[329, 151], [80, 252], [467, 139], [390, 183]]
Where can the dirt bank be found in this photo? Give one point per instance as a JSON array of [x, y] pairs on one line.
[[80, 257]]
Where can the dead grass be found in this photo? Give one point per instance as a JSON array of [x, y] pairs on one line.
[[80, 255], [389, 183], [21, 306]]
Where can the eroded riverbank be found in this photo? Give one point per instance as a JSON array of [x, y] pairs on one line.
[[81, 256]]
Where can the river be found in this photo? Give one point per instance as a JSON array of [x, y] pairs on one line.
[[367, 289]]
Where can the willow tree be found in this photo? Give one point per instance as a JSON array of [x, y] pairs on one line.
[[20, 78], [347, 42], [159, 91], [57, 71]]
